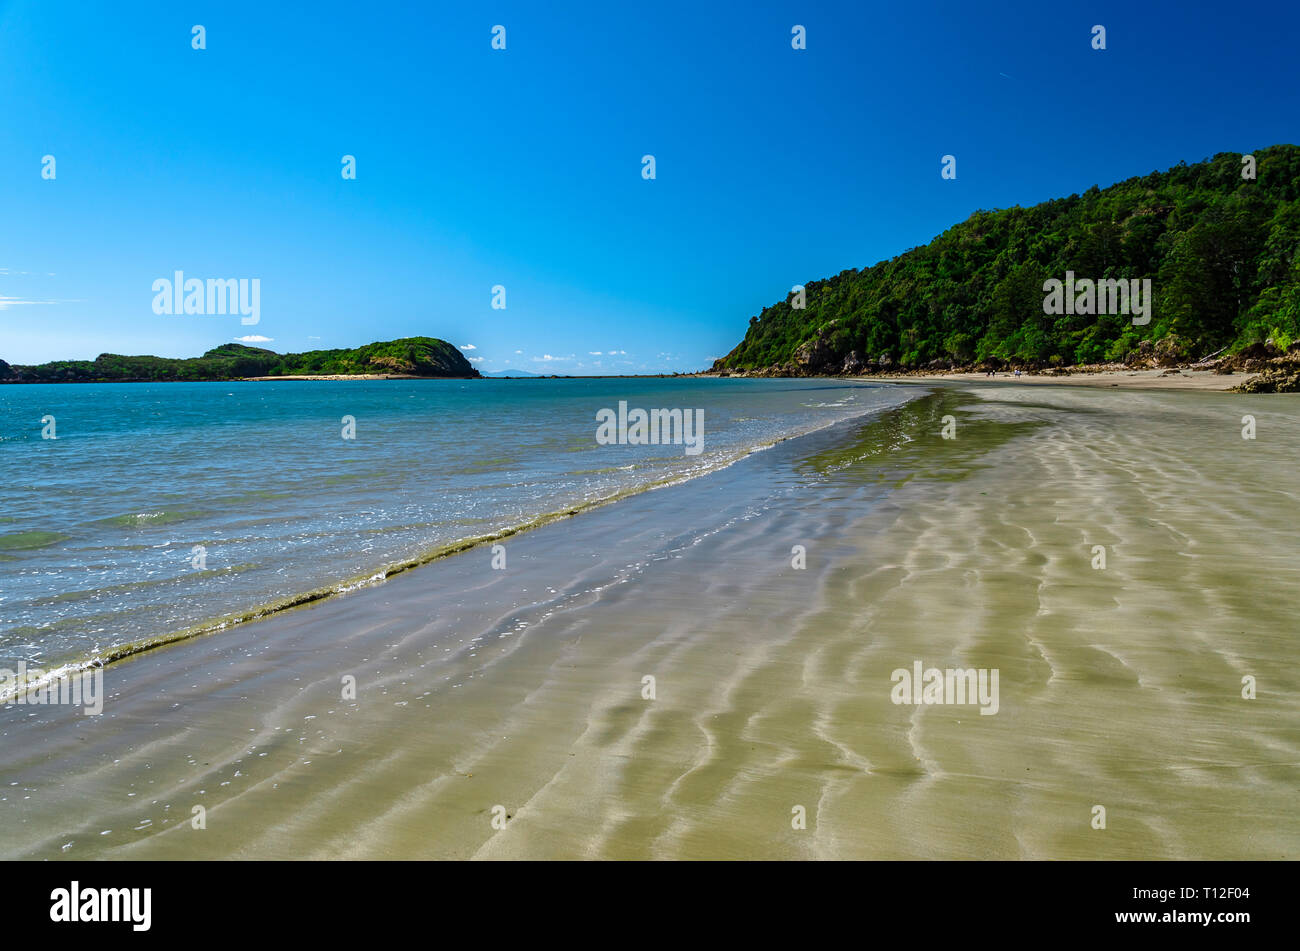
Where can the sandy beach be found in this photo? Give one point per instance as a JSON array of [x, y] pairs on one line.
[[1167, 379], [331, 376], [506, 713]]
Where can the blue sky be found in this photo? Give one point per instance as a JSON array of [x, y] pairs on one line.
[[522, 167]]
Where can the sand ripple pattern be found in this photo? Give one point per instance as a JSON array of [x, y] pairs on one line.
[[1118, 687]]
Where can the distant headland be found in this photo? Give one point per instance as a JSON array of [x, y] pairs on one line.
[[408, 357]]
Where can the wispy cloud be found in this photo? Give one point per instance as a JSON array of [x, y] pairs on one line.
[[7, 302], [255, 338], [468, 346]]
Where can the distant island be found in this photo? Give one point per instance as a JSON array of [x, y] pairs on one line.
[[418, 357], [1214, 247], [519, 374]]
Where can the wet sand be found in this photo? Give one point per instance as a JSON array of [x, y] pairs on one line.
[[523, 688]]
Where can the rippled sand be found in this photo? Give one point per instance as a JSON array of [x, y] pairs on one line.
[[523, 688]]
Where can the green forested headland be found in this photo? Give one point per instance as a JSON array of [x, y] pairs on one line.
[[1222, 254], [416, 356]]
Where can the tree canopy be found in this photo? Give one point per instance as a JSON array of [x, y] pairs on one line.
[[1222, 254], [416, 356]]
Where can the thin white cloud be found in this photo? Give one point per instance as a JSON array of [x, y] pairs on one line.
[[468, 346], [254, 338], [593, 353], [7, 302], [477, 359]]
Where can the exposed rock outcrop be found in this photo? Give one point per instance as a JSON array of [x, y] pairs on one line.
[[817, 355], [1280, 378]]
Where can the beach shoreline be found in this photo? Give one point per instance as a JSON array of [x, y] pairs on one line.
[[347, 376], [1146, 379], [367, 574], [525, 689], [1172, 378]]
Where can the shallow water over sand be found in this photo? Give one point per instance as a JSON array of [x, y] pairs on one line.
[[523, 688], [160, 507]]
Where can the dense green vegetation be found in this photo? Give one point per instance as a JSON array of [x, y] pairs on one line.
[[1221, 253], [418, 356]]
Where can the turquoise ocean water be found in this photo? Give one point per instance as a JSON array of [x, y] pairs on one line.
[[161, 507]]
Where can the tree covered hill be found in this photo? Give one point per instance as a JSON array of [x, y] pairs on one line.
[[415, 356], [1222, 254]]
